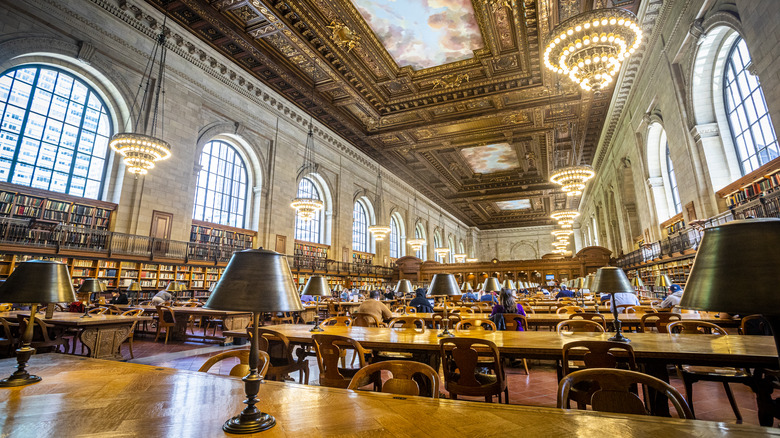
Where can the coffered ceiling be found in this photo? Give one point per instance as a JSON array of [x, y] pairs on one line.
[[449, 95]]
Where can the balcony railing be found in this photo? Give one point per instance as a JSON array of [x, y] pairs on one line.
[[54, 237]]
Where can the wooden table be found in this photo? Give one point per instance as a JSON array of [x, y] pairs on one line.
[[101, 334], [132, 400], [230, 321]]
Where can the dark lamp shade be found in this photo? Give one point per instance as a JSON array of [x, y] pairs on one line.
[[338, 288], [443, 285], [579, 283], [491, 285], [256, 280], [611, 280], [91, 285], [403, 286], [637, 282], [509, 284], [316, 286], [134, 287], [663, 281], [735, 269], [466, 287], [38, 281]]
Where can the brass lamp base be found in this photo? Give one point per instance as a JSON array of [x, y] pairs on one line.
[[317, 327], [620, 338], [446, 333], [243, 424], [617, 325], [21, 377]]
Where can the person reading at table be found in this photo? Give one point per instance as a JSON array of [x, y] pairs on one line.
[[674, 298], [507, 304], [470, 295], [422, 304], [375, 307], [489, 296], [161, 297], [118, 297], [307, 298], [564, 293], [623, 298]]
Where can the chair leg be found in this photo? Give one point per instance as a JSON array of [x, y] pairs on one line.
[[167, 330], [158, 333], [130, 347], [525, 365], [689, 392], [733, 402]]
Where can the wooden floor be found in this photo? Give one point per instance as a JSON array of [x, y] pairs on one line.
[[538, 389]]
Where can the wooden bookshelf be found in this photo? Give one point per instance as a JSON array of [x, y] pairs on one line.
[[206, 232], [678, 270], [51, 207], [761, 181], [672, 225], [308, 249], [364, 258]]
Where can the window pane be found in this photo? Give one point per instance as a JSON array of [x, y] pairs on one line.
[[220, 197]]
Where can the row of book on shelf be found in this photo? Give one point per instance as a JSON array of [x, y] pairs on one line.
[[746, 193]]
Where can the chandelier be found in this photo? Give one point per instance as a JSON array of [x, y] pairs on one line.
[[573, 178], [591, 46], [442, 250], [459, 258], [562, 234], [565, 218], [417, 243], [142, 148], [379, 231], [472, 260], [307, 208]]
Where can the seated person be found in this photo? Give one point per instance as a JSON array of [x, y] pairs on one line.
[[307, 298], [118, 297], [545, 291], [346, 295], [161, 297], [624, 298], [470, 295], [564, 293], [674, 298], [507, 304], [422, 304], [375, 307], [489, 296], [389, 294]]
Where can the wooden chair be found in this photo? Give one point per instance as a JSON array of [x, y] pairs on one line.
[[590, 316], [45, 338], [165, 320], [528, 308], [98, 311], [337, 321], [691, 374], [242, 368], [329, 350], [6, 307], [400, 309], [568, 310], [461, 310], [407, 322], [475, 324], [640, 310], [598, 354], [660, 321], [511, 321], [404, 376], [754, 325], [579, 326], [362, 319], [280, 350], [334, 310], [110, 309], [613, 391], [8, 339], [460, 362], [623, 308], [453, 317], [132, 312], [485, 307]]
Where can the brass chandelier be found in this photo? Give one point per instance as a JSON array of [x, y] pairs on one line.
[[573, 178], [307, 208], [142, 147], [591, 46], [417, 243], [379, 231], [565, 218]]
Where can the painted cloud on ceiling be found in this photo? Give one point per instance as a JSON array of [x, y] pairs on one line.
[[491, 158], [423, 33], [517, 204]]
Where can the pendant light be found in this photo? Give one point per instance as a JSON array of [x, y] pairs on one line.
[[379, 231], [307, 207], [418, 242]]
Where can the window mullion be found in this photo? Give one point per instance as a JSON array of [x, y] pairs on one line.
[[23, 127]]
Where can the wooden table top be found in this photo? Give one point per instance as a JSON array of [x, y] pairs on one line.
[[75, 319], [188, 311], [553, 318], [133, 400], [690, 349]]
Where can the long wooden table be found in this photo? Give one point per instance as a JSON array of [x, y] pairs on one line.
[[132, 400], [230, 320], [101, 334]]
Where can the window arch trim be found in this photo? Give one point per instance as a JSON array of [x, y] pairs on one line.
[[232, 195]]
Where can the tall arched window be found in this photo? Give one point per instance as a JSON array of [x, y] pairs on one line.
[[672, 182], [359, 228], [751, 127], [220, 196], [54, 132], [308, 230], [395, 239]]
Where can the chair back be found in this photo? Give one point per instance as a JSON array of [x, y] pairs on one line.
[[407, 322], [338, 321], [460, 360], [98, 311], [475, 324], [242, 368], [132, 312], [599, 354], [190, 304], [755, 325], [8, 337], [486, 306], [511, 321], [329, 351], [41, 336], [275, 344], [362, 319], [695, 328], [403, 374], [641, 310], [613, 391], [624, 308], [461, 310], [590, 316], [578, 326], [166, 315], [6, 307], [568, 310], [453, 317], [661, 320]]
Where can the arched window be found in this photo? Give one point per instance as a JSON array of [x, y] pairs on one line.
[[54, 132], [308, 231], [220, 194], [395, 239], [672, 182], [749, 121], [359, 228], [419, 233], [437, 244]]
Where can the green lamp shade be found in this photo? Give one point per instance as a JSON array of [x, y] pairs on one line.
[[443, 285], [256, 280], [663, 281], [316, 286], [611, 280], [491, 285], [38, 281], [403, 286], [466, 287]]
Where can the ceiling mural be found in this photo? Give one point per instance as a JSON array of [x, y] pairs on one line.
[[448, 95], [492, 158], [423, 33], [517, 204]]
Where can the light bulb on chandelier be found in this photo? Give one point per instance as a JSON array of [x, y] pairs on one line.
[[565, 218]]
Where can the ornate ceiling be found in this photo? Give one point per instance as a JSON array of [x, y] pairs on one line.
[[469, 117]]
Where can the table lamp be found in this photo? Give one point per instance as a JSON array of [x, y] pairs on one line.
[[466, 287], [663, 281], [256, 281], [612, 280], [491, 285], [508, 284], [174, 288], [579, 284], [403, 287], [134, 288], [444, 285], [317, 286], [34, 282], [88, 287]]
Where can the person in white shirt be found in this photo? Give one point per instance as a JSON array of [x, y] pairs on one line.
[[623, 298], [674, 298]]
